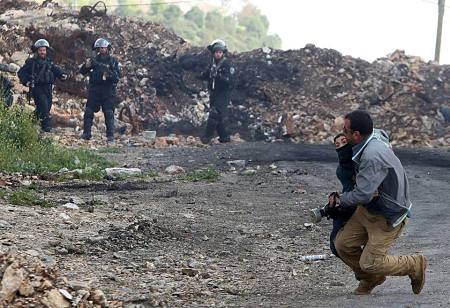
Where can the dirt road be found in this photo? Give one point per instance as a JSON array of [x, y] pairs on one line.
[[233, 242]]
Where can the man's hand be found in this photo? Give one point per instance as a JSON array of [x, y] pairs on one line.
[[333, 199], [88, 63], [214, 71], [63, 77]]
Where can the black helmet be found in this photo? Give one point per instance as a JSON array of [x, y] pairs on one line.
[[40, 43], [217, 45], [101, 43]]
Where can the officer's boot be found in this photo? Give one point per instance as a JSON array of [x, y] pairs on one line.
[[46, 124], [211, 125], [88, 118], [222, 132], [109, 122]]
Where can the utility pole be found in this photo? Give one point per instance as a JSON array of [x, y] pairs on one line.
[[437, 50]]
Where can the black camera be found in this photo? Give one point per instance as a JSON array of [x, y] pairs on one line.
[[327, 211], [317, 214]]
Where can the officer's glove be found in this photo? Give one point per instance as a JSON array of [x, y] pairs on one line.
[[88, 63], [214, 72]]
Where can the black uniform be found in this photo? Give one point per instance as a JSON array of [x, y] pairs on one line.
[[220, 84], [41, 73], [6, 90], [104, 75], [346, 174]]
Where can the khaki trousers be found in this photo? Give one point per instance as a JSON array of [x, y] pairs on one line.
[[363, 244]]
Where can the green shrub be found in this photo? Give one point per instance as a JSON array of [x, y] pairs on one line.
[[28, 197], [24, 150], [208, 175]]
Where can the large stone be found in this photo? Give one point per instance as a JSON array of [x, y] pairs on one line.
[[99, 298], [123, 171], [19, 57], [70, 206], [55, 299], [173, 169], [11, 281]]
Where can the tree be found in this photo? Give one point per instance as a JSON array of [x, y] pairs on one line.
[[126, 8], [171, 14], [196, 15], [157, 7], [214, 21], [243, 31]]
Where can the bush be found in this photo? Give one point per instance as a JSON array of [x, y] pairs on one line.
[[208, 175], [22, 149], [28, 197]]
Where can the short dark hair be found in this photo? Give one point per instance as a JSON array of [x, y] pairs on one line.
[[360, 121], [338, 135]]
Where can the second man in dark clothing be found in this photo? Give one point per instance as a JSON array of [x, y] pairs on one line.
[[39, 73], [220, 83], [104, 75]]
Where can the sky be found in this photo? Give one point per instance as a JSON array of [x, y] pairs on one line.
[[367, 29]]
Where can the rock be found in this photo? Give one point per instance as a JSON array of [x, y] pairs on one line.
[[77, 285], [26, 182], [100, 199], [66, 294], [33, 253], [11, 282], [19, 57], [237, 163], [76, 200], [4, 224], [99, 298], [173, 169], [266, 49], [26, 289], [249, 172], [64, 216], [70, 206], [81, 296], [55, 299], [190, 272], [123, 172]]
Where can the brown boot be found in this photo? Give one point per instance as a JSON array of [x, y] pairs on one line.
[[418, 278], [365, 286]]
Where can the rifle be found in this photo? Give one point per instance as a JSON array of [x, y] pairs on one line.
[[31, 86]]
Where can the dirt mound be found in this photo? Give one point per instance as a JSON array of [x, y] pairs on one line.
[[296, 93], [140, 234], [27, 282]]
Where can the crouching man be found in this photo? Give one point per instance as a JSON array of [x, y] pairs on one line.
[[381, 195]]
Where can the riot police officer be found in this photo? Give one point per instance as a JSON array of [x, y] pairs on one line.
[[39, 74], [104, 75], [220, 83]]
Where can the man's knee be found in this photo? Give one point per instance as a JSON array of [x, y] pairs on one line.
[[89, 113], [372, 264], [340, 243]]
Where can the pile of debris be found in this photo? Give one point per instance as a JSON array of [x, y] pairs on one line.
[[25, 281], [296, 93]]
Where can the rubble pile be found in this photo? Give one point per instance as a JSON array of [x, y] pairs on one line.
[[296, 93], [27, 282]]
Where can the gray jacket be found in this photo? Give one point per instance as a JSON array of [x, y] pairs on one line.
[[379, 169]]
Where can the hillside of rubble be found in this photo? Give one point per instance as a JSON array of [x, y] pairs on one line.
[[301, 94]]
